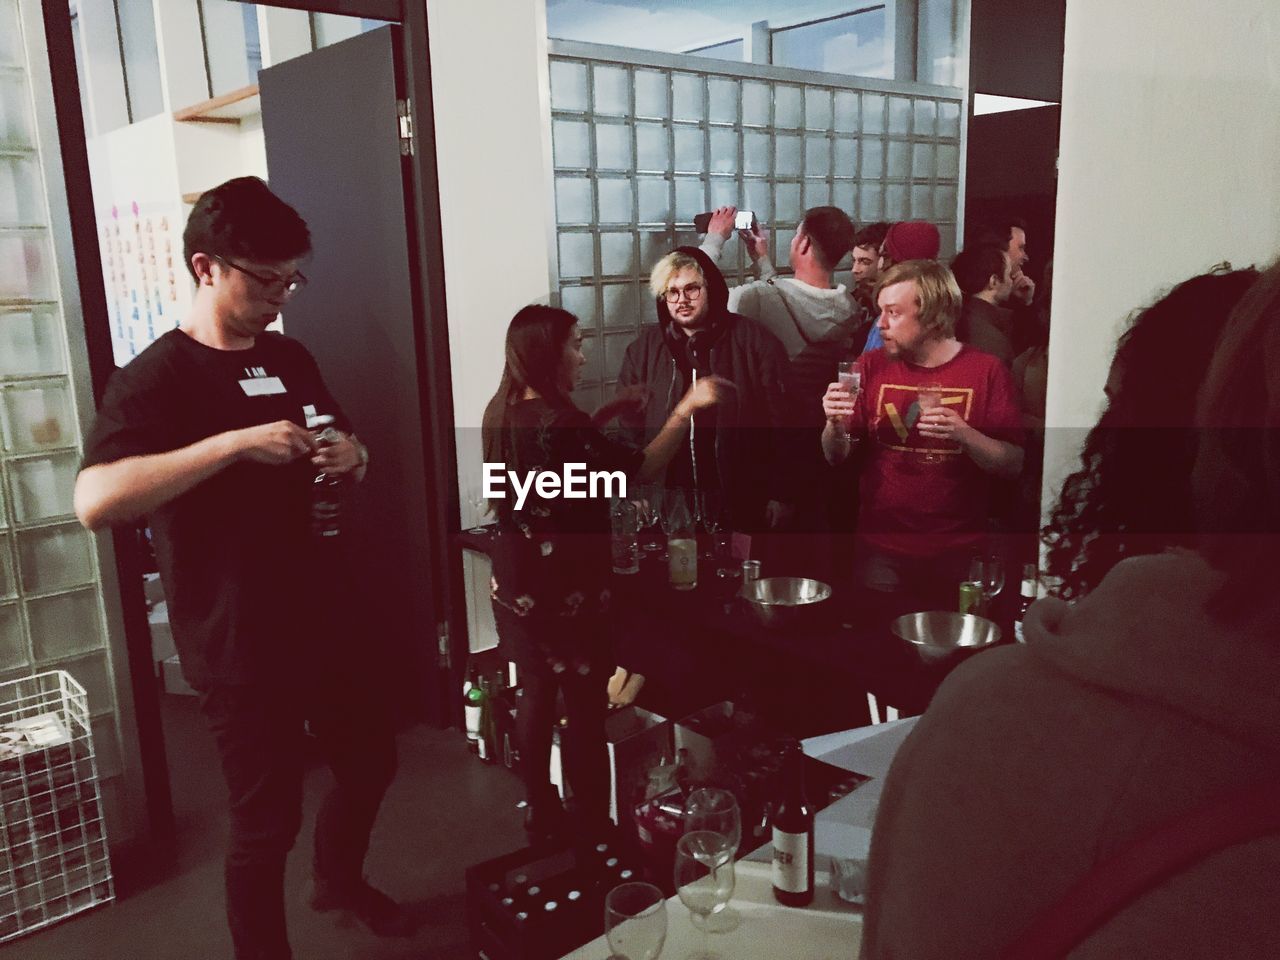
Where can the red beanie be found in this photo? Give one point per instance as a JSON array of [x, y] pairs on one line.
[[912, 240]]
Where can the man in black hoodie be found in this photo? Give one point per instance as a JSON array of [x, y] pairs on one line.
[[732, 447]]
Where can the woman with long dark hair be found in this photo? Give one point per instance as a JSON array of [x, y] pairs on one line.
[[1132, 493], [552, 562]]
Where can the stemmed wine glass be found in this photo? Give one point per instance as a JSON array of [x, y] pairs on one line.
[[711, 516], [648, 501], [714, 809], [635, 921], [704, 876], [989, 572], [929, 398]]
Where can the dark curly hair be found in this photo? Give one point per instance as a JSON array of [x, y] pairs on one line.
[[1132, 493]]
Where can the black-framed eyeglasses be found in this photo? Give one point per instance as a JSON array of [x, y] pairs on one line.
[[271, 285]]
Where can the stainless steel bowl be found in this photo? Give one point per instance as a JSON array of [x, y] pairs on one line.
[[786, 602], [937, 634]]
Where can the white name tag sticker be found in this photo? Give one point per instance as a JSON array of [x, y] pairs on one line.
[[262, 386]]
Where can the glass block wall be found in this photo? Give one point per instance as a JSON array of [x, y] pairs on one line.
[[51, 612], [641, 147]]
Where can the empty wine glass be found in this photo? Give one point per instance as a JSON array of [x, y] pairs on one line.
[[713, 519], [929, 397], [714, 809], [704, 876], [649, 501], [989, 572], [635, 921]]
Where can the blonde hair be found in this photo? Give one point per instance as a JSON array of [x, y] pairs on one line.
[[937, 294], [668, 267]]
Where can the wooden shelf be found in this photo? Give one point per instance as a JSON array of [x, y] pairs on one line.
[[228, 108]]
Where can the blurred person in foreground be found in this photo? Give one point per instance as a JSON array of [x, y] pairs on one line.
[[1154, 695], [1132, 493]]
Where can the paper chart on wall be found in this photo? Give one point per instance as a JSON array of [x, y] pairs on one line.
[[148, 290]]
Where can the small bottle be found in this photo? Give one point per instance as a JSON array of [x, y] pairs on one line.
[[473, 708], [1027, 593], [328, 491], [793, 836], [682, 548]]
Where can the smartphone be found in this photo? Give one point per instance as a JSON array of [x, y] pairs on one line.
[[745, 220]]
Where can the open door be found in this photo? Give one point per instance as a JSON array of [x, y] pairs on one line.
[[335, 151]]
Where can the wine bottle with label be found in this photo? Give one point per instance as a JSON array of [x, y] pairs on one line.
[[1027, 597], [793, 836]]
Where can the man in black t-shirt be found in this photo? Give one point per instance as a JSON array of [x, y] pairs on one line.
[[204, 435]]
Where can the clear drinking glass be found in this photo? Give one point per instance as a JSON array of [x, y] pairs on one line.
[[635, 921], [714, 809], [930, 398], [713, 518], [704, 876], [988, 571], [849, 377]]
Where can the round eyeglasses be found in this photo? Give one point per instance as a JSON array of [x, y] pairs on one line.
[[691, 291]]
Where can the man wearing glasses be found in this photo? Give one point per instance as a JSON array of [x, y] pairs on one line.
[[731, 449], [204, 435]]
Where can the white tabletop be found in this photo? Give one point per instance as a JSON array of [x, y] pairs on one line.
[[827, 929]]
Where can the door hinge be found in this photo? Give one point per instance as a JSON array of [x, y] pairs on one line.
[[446, 657], [406, 127]]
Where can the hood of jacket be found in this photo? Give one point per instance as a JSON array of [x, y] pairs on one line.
[[1144, 633], [818, 314], [694, 351]]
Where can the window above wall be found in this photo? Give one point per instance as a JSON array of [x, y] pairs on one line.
[[858, 44], [887, 39]]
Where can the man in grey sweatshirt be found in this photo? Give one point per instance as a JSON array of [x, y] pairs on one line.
[[803, 309]]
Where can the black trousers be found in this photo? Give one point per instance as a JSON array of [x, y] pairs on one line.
[[584, 753], [259, 731]]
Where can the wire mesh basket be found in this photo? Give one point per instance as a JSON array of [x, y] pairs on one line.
[[53, 841]]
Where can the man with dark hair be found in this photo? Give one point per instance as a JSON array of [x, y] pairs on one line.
[[205, 434], [819, 324], [941, 421], [797, 310], [1011, 237], [866, 264], [984, 276]]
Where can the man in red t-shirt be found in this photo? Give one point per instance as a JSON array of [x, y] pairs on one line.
[[942, 421]]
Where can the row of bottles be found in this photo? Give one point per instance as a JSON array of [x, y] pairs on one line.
[[680, 525], [488, 705]]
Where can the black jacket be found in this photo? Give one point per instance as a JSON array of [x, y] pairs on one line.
[[744, 429]]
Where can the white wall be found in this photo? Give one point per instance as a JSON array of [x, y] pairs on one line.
[[493, 143], [1169, 163]]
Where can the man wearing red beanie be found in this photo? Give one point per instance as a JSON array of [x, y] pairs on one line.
[[909, 240]]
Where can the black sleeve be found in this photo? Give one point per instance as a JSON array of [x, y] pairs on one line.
[[773, 371], [138, 416], [578, 440]]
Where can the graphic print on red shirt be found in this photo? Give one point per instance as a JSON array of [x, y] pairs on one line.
[[897, 417]]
